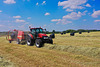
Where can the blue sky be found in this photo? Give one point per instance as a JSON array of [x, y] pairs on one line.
[[56, 15]]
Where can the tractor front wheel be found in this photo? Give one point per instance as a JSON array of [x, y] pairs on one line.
[[38, 43], [50, 41]]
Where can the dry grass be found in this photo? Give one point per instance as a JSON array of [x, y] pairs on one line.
[[85, 39], [5, 63], [30, 56]]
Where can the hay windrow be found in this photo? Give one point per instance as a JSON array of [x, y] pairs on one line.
[[5, 63], [81, 50]]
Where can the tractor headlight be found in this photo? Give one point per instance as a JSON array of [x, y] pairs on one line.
[[45, 37]]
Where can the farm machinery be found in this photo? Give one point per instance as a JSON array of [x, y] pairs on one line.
[[16, 35], [36, 36]]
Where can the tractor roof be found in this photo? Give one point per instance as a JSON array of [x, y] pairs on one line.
[[35, 28]]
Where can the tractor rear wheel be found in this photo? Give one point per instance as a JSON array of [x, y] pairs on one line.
[[29, 41], [38, 43]]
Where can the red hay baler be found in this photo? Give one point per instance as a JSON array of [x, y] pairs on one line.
[[16, 35]]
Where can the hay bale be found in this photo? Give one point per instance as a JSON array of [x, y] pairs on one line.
[[72, 34], [88, 31], [64, 32], [80, 32], [52, 35], [61, 33]]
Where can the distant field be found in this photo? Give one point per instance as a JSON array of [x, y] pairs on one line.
[[81, 50], [85, 39]]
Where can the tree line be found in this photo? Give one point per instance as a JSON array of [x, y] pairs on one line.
[[72, 31], [57, 32]]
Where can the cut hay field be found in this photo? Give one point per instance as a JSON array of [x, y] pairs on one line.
[[81, 50], [85, 39]]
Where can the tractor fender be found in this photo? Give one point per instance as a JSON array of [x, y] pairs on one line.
[[31, 36]]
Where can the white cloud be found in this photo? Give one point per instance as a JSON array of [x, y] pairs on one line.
[[55, 20], [96, 20], [47, 14], [44, 2], [0, 11], [16, 16], [64, 21], [9, 1], [84, 13], [88, 5], [72, 4], [37, 3], [18, 21], [29, 18], [69, 10], [96, 14], [73, 16]]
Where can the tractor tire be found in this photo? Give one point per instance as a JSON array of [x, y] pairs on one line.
[[50, 41], [18, 42], [38, 43], [29, 41]]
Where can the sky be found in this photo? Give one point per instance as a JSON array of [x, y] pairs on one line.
[[56, 15]]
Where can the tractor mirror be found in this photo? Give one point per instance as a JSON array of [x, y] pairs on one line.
[[30, 27], [44, 30]]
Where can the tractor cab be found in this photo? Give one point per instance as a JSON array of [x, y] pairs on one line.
[[38, 32]]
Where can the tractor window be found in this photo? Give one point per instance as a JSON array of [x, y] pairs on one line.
[[41, 31], [37, 30], [33, 30]]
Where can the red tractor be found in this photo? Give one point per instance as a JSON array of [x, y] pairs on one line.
[[38, 37]]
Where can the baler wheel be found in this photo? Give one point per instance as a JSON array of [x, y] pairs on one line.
[[18, 42]]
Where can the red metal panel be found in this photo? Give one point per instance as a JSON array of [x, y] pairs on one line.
[[41, 35], [20, 35], [31, 35]]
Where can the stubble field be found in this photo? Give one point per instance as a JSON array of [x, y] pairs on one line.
[[81, 50]]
